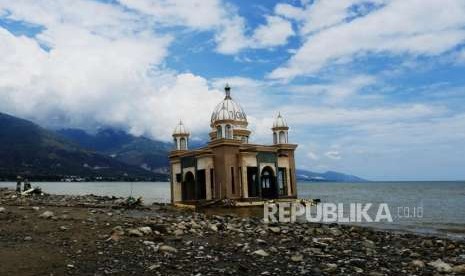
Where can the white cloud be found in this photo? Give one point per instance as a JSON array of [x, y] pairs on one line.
[[218, 16], [312, 155], [275, 32], [204, 15], [340, 116], [415, 27], [333, 154], [290, 12], [96, 72], [337, 91], [198, 14], [320, 14]]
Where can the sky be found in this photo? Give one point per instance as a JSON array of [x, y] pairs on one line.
[[373, 88]]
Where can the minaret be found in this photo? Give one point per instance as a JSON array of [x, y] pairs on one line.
[[181, 137], [280, 130]]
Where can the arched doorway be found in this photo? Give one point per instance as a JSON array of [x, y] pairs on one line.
[[188, 187], [268, 183]]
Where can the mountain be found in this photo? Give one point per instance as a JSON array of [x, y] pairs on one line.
[[143, 152], [30, 150], [329, 176]]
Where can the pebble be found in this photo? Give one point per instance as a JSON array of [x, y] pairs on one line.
[[331, 267], [168, 249], [229, 245], [145, 230], [261, 252], [2, 210], [369, 244], [459, 269], [418, 263], [135, 233], [335, 232], [118, 230], [297, 258], [275, 230], [153, 267], [178, 232], [47, 215], [441, 266], [28, 238], [260, 241]]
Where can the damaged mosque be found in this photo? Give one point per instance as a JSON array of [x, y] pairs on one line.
[[229, 167]]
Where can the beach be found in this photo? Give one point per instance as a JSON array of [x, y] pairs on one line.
[[94, 235]]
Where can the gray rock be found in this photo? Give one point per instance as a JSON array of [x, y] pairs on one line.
[[153, 267], [369, 244], [2, 210], [27, 238], [118, 230], [168, 249], [275, 230], [261, 252], [178, 232], [331, 267], [145, 230], [441, 266], [459, 269], [418, 263], [297, 258], [260, 241], [335, 231], [214, 228], [135, 233], [47, 215], [148, 243]]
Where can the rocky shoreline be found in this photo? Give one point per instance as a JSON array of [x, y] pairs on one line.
[[93, 235]]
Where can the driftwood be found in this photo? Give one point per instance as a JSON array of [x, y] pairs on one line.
[[131, 202], [32, 191]]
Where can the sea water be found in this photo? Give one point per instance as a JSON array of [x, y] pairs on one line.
[[442, 204]]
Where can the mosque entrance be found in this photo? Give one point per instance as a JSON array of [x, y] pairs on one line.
[[252, 182], [201, 185], [268, 183], [188, 187]]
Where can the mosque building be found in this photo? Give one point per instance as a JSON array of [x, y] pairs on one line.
[[229, 167]]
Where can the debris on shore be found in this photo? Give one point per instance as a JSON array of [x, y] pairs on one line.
[[93, 235]]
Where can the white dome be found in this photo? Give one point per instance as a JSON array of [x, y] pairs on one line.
[[228, 109], [279, 121], [180, 129]]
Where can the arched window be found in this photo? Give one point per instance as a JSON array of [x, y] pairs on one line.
[[275, 139], [175, 141], [229, 134], [282, 137], [266, 179], [219, 132], [183, 143]]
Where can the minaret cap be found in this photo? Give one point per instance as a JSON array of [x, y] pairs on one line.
[[180, 130], [280, 122], [227, 90]]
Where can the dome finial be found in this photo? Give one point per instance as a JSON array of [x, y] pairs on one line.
[[227, 90]]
